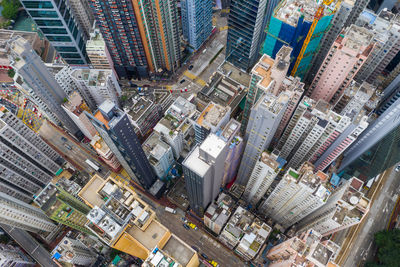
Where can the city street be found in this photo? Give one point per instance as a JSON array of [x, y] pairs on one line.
[[362, 248], [200, 239], [77, 155]]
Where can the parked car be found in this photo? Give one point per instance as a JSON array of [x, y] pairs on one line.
[[182, 81], [190, 67], [186, 226], [397, 168], [195, 248], [204, 256], [63, 139]]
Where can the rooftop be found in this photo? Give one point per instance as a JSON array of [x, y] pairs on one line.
[[357, 39], [231, 130], [273, 103], [151, 236], [76, 104], [289, 11], [179, 250], [154, 147], [92, 77], [212, 145], [239, 222], [212, 115], [195, 164], [222, 90], [269, 161], [263, 69], [234, 73], [220, 210], [89, 192], [139, 107]]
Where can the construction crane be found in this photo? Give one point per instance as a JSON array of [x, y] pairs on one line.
[[317, 17]]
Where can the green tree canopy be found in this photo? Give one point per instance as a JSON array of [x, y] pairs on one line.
[[388, 243], [10, 8]]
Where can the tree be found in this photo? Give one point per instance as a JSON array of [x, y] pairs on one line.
[[10, 8], [11, 73], [388, 243]]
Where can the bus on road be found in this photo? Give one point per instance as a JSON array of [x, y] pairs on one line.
[[93, 165]]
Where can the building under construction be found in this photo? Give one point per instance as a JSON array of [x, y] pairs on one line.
[[300, 24]]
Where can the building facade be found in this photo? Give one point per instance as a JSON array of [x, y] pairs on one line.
[[105, 153], [21, 215], [262, 176], [63, 207], [142, 37], [266, 76], [375, 150], [386, 28], [196, 21], [203, 169], [264, 120], [59, 24], [294, 27], [298, 194], [40, 83], [118, 133], [97, 86], [14, 256], [346, 207], [28, 163], [97, 52], [73, 251], [352, 47], [75, 108], [245, 39]]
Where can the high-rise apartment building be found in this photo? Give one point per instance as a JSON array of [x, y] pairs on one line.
[[159, 154], [245, 39], [83, 15], [196, 21], [118, 133], [312, 129], [235, 150], [142, 37], [306, 249], [60, 25], [27, 162], [39, 82], [97, 52], [73, 251], [63, 207], [262, 176], [203, 169], [355, 97], [376, 149], [264, 120], [347, 206], [266, 76], [105, 153], [96, 86], [345, 15], [298, 194], [301, 25], [23, 216], [14, 256], [62, 74], [390, 95], [213, 118], [351, 48], [295, 89], [75, 107], [342, 142], [386, 29], [174, 128]]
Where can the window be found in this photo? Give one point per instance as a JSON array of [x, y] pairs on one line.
[[52, 38], [37, 4], [43, 14], [65, 49], [54, 30]]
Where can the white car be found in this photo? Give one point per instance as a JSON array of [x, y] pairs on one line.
[[397, 168]]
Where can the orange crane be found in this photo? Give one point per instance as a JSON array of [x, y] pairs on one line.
[[317, 17]]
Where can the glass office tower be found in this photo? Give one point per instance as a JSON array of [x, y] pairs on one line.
[[56, 21], [247, 22], [377, 149]]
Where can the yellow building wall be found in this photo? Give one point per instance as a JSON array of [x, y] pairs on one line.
[[126, 243], [194, 261]]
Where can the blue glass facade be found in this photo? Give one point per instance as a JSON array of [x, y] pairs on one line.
[[196, 21], [55, 20], [247, 21]]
